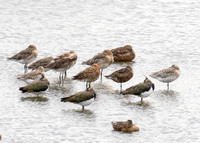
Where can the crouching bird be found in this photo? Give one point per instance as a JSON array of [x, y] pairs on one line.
[[125, 127], [36, 86], [142, 89], [82, 98]]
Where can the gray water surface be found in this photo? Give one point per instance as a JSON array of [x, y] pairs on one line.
[[162, 33]]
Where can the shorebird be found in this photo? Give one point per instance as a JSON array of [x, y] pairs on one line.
[[167, 75], [25, 56], [123, 54], [103, 59], [142, 89], [126, 127], [82, 98], [36, 86], [121, 76], [88, 75], [62, 64], [34, 74], [42, 62], [73, 58]]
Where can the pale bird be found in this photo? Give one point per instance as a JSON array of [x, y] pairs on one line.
[[167, 75], [25, 56]]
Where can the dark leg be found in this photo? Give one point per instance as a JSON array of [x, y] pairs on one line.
[[25, 68], [82, 107], [89, 84], [86, 85], [60, 78], [120, 88], [65, 74], [101, 74], [141, 99], [167, 86]]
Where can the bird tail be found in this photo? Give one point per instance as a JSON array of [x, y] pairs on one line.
[[108, 76], [65, 99], [22, 89], [125, 92]]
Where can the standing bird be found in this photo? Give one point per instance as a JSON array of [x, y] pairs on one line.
[[122, 75], [142, 89], [62, 64], [167, 75], [73, 58], [34, 74], [36, 86], [42, 62], [88, 75], [25, 56], [103, 59], [123, 54], [82, 98]]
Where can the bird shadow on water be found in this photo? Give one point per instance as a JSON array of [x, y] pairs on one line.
[[103, 88], [35, 99], [85, 112], [143, 104]]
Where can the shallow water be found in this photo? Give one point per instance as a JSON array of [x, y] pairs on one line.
[[162, 32]]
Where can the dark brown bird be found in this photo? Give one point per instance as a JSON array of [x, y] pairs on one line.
[[82, 98], [88, 75], [36, 86], [103, 59], [142, 89], [25, 56], [121, 76], [126, 127], [42, 62], [123, 54]]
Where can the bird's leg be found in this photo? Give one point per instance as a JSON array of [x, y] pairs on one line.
[[101, 74], [120, 88], [167, 86], [141, 100], [82, 107], [25, 68], [86, 85], [60, 78], [65, 74], [89, 84]]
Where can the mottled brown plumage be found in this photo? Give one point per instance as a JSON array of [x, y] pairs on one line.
[[88, 75], [103, 59], [34, 74], [42, 62], [126, 127], [121, 76], [25, 56], [123, 54]]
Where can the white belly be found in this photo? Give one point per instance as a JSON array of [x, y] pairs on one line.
[[167, 79], [87, 102], [147, 93]]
